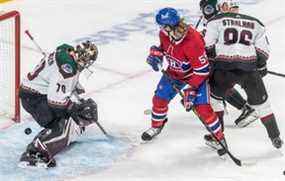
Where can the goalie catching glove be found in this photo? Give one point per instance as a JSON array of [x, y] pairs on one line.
[[85, 113]]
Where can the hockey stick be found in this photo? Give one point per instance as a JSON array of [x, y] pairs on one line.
[[276, 73], [235, 160], [198, 22], [35, 42]]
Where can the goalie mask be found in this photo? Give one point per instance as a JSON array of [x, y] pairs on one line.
[[85, 54]]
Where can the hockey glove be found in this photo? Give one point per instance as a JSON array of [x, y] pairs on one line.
[[155, 58], [189, 98], [262, 70], [86, 113]]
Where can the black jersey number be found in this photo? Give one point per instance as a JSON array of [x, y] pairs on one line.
[[231, 36], [61, 88]]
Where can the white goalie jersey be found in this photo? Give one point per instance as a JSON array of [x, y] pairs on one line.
[[56, 79], [237, 39]]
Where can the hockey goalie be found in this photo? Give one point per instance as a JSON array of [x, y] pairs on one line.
[[46, 93]]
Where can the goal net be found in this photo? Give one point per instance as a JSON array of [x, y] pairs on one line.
[[10, 64]]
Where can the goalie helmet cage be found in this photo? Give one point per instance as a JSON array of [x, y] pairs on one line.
[[10, 65]]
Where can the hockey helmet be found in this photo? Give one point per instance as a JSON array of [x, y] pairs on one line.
[[208, 8], [167, 17], [227, 5], [86, 54], [171, 23]]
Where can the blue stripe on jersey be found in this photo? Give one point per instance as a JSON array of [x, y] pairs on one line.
[[203, 70], [185, 66]]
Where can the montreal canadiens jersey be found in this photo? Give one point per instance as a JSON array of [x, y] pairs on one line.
[[55, 76], [186, 58], [238, 40]]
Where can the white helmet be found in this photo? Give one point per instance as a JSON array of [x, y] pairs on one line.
[[226, 5]]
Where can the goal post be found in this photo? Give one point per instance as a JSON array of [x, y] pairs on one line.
[[10, 64]]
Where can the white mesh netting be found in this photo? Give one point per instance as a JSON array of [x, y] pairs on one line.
[[7, 67]]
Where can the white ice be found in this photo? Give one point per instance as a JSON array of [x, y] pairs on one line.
[[123, 84]]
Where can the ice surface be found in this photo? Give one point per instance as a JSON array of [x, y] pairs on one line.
[[122, 85]]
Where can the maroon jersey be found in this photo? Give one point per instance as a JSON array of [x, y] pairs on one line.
[[186, 58]]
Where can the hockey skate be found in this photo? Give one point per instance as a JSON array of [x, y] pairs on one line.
[[221, 151], [277, 142], [37, 159], [247, 116], [152, 132], [211, 141]]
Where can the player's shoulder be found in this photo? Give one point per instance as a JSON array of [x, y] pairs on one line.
[[66, 65], [194, 40], [234, 16], [194, 37], [163, 35]]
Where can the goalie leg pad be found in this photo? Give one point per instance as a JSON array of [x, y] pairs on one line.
[[48, 143]]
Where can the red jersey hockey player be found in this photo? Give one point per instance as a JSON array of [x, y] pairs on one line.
[[183, 48]]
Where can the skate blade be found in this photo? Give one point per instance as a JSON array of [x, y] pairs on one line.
[[244, 124], [24, 164], [212, 145]]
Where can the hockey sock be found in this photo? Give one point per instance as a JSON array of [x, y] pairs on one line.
[[159, 112], [220, 115], [211, 120], [235, 99], [271, 126]]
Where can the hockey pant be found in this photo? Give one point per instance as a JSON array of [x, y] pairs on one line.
[[165, 93], [223, 82], [36, 104]]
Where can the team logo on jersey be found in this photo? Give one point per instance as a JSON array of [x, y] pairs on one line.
[[177, 65], [67, 68]]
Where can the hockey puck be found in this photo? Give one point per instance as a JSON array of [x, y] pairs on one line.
[[28, 131]]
